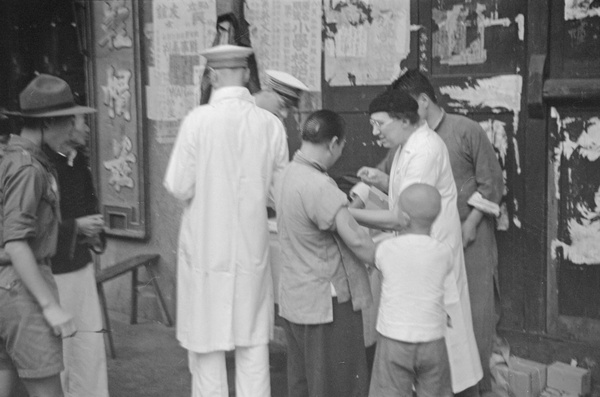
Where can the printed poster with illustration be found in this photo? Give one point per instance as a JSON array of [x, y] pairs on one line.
[[365, 41]]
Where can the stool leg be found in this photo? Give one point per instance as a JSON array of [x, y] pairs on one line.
[[108, 334], [134, 285], [161, 301]]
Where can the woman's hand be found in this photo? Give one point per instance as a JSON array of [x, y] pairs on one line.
[[374, 177]]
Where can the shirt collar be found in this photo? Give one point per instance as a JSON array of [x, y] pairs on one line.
[[440, 121], [17, 143], [230, 92], [301, 158], [57, 157]]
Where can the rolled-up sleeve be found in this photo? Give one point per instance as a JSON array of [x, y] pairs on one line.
[[22, 194], [323, 203]]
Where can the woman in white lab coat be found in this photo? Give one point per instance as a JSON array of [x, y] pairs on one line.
[[422, 157]]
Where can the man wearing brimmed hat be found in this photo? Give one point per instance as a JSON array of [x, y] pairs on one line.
[[79, 233], [282, 93], [223, 166], [32, 323]]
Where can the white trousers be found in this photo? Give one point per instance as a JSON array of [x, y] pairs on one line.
[[209, 375], [84, 354]]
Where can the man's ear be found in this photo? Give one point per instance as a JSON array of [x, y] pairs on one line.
[[423, 100], [335, 140]]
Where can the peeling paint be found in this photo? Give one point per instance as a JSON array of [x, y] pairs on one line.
[[520, 20], [557, 154], [496, 92], [583, 225], [580, 9], [585, 235], [517, 157], [499, 93], [496, 133], [589, 141], [487, 22], [584, 250], [516, 221], [587, 145]]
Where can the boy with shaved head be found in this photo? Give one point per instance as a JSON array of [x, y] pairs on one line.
[[412, 320]]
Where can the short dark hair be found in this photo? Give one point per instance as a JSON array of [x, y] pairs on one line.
[[397, 104], [414, 83], [322, 125]]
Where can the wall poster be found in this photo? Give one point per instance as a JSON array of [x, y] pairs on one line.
[[119, 129], [365, 41], [286, 36], [181, 29], [479, 36]]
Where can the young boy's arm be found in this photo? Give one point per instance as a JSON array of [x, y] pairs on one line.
[[356, 237], [27, 268], [395, 219]]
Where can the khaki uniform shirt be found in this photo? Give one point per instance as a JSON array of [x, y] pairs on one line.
[[28, 198]]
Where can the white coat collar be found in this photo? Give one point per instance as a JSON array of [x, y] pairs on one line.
[[230, 92]]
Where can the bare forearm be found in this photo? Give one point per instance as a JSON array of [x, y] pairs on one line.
[[26, 266], [474, 217], [379, 219], [362, 245], [356, 237]]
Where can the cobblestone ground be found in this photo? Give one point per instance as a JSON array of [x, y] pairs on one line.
[[150, 363]]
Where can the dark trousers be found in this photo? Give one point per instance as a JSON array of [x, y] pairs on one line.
[[401, 365], [327, 360]]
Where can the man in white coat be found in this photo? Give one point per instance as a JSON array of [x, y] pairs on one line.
[[223, 166]]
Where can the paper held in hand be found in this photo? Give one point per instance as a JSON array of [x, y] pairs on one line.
[[373, 198]]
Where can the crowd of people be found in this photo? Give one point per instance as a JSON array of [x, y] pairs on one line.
[[437, 261], [425, 265]]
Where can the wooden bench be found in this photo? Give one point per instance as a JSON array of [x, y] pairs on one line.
[[120, 268]]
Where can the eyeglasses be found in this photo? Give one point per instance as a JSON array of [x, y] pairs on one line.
[[380, 124]]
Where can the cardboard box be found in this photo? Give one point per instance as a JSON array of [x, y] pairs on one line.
[[538, 370], [550, 392], [570, 379], [526, 378]]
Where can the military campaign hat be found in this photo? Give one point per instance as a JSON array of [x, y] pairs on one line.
[[47, 96]]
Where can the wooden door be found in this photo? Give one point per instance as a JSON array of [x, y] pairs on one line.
[[572, 98], [474, 54]]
